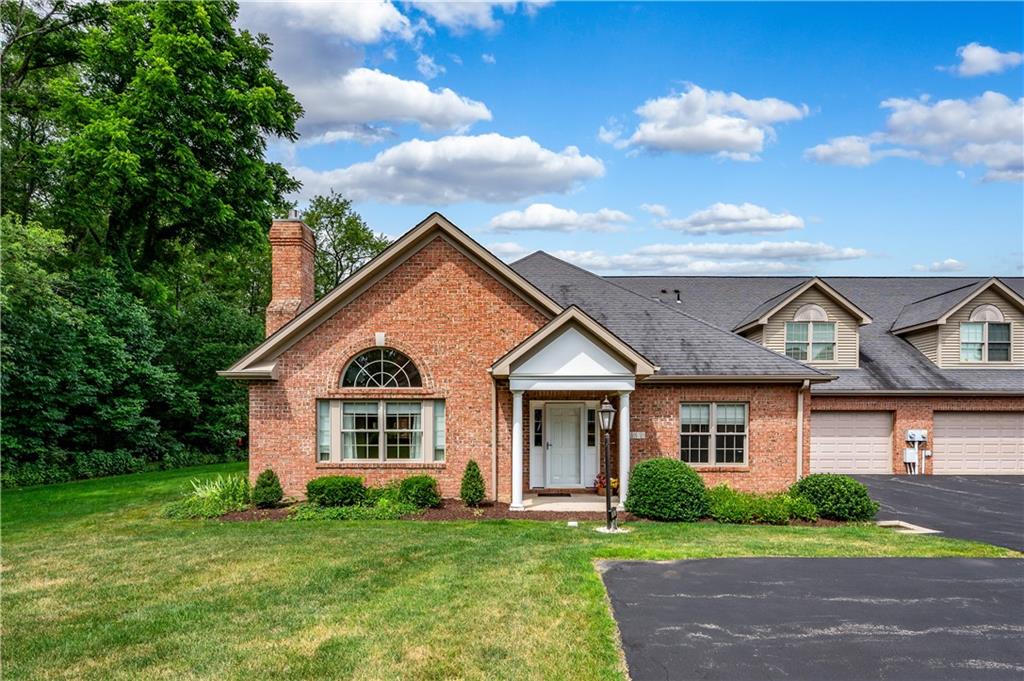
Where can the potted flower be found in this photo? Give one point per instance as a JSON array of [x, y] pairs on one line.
[[615, 485], [599, 483]]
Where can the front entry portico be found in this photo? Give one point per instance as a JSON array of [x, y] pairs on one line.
[[575, 356]]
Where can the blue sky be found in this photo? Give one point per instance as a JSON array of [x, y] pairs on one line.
[[647, 138]]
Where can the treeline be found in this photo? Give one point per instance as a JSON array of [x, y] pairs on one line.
[[135, 201]]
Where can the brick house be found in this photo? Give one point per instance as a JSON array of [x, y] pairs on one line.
[[437, 353]]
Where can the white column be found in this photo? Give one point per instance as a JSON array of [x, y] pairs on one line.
[[517, 451], [623, 449]]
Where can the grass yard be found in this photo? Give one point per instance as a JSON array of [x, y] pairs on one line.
[[95, 585]]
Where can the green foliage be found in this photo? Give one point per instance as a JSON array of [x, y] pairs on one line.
[[383, 509], [472, 490], [419, 491], [336, 490], [212, 498], [267, 492], [730, 506], [343, 240], [666, 489], [837, 497]]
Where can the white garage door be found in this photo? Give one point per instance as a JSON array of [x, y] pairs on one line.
[[977, 443], [851, 442]]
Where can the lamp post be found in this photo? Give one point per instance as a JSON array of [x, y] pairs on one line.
[[607, 417]]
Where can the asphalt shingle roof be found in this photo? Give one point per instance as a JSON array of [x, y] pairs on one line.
[[679, 343], [887, 361], [931, 308]]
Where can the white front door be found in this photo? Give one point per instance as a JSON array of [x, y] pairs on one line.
[[563, 445]]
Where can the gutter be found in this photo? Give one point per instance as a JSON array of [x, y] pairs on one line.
[[800, 429], [920, 393], [740, 378]]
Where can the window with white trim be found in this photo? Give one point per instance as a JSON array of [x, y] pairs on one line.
[[381, 368], [986, 337], [810, 336], [706, 427], [381, 430]]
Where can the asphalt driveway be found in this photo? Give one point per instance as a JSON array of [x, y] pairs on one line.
[[985, 508], [740, 619]]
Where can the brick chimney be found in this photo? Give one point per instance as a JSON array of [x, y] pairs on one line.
[[292, 248]]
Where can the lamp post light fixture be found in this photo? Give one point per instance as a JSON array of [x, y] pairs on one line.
[[606, 415]]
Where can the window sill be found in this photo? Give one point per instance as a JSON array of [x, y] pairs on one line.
[[382, 393], [721, 468], [420, 465]]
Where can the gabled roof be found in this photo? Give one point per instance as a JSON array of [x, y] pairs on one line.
[[683, 347], [938, 308], [888, 363], [760, 315], [574, 316], [261, 362]]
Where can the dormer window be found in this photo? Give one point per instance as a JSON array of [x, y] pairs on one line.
[[986, 337], [810, 336]]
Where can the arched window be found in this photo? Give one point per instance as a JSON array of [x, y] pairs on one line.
[[810, 336], [810, 313], [381, 368], [986, 313]]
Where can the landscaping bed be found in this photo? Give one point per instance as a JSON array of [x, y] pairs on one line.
[[453, 509]]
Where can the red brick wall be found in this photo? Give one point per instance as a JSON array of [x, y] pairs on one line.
[[449, 316], [292, 270], [914, 412], [771, 447]]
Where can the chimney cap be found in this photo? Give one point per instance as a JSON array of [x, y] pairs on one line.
[[294, 215]]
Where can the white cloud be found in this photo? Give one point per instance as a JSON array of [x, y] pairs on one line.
[[729, 218], [987, 130], [349, 103], [546, 217], [460, 16], [490, 168], [507, 250], [655, 209], [980, 60], [358, 22], [456, 59], [428, 68], [719, 258], [700, 121], [947, 265], [488, 58]]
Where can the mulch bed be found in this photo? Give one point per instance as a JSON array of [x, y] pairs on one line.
[[452, 509], [257, 514]]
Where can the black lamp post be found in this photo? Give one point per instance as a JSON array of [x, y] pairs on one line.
[[607, 416]]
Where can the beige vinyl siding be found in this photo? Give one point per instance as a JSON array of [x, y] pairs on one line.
[[949, 333], [756, 335], [927, 342], [847, 339]]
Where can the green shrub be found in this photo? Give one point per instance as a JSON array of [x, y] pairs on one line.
[[771, 509], [802, 508], [212, 498], [472, 490], [837, 497], [729, 506], [336, 490], [666, 489], [98, 463], [383, 509], [419, 491], [267, 492], [388, 491]]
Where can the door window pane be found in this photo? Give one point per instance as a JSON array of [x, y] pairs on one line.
[[591, 427], [538, 427]]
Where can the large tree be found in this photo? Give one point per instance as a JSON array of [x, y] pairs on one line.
[[148, 132], [344, 242]]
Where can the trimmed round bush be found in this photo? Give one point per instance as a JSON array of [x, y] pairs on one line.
[[666, 489], [802, 508], [336, 490], [837, 497], [267, 492], [420, 491], [472, 490]]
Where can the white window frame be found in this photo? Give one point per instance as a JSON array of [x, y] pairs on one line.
[[985, 343], [713, 433], [810, 343], [432, 450]]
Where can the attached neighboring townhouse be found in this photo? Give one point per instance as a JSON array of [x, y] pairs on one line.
[[436, 353]]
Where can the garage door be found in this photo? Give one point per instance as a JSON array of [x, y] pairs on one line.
[[977, 443], [851, 442]]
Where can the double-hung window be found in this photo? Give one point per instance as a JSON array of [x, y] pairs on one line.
[[811, 341], [380, 430], [713, 433], [985, 342]]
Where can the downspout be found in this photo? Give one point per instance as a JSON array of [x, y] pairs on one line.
[[800, 429], [494, 437]]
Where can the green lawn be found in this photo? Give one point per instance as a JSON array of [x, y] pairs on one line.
[[95, 585]]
